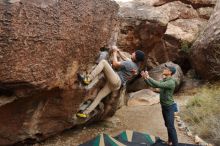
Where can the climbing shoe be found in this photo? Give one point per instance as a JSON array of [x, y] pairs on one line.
[[84, 79], [82, 115]]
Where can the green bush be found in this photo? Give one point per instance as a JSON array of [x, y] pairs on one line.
[[185, 47], [202, 113]]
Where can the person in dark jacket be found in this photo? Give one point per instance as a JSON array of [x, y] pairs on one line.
[[167, 87]]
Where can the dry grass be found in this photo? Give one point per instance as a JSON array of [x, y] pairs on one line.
[[202, 113]]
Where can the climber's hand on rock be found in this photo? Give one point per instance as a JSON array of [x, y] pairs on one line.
[[115, 49]]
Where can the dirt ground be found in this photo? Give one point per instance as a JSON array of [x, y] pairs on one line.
[[146, 119]]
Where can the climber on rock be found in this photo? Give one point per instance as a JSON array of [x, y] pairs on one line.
[[116, 75], [167, 87]]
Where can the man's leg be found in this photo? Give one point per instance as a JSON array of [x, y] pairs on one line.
[[110, 74], [102, 93], [171, 127], [165, 117]]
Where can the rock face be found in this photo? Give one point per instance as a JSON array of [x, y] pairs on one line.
[[205, 12], [206, 49], [43, 45], [200, 3], [161, 31], [194, 3], [185, 29]]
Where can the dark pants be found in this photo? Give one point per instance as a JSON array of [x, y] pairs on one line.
[[168, 116]]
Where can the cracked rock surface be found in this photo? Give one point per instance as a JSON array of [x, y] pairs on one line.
[[43, 44], [164, 32]]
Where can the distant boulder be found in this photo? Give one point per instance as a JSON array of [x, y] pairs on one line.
[[143, 97], [205, 51]]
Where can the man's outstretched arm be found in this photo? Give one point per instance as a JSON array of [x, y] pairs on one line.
[[154, 83], [149, 83], [123, 56], [157, 84], [146, 76]]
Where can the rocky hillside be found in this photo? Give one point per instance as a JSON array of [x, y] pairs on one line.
[[164, 29]]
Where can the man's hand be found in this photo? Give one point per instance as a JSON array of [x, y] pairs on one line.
[[145, 74], [115, 63], [115, 49]]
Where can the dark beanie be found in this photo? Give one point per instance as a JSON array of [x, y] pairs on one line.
[[139, 55]]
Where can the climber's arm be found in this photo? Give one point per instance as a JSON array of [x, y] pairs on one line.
[[115, 63], [123, 56]]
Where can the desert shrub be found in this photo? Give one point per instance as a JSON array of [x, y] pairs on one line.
[[202, 113], [185, 47]]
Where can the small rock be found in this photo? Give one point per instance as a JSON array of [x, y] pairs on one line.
[[187, 129], [182, 127], [112, 122], [189, 133], [199, 141], [178, 119], [176, 114], [180, 123]]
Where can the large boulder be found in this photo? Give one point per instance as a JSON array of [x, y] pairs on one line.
[[185, 29], [205, 12], [205, 52], [159, 31], [143, 97], [178, 38], [44, 43]]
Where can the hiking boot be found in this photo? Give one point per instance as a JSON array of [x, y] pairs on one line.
[[84, 79], [82, 115]]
